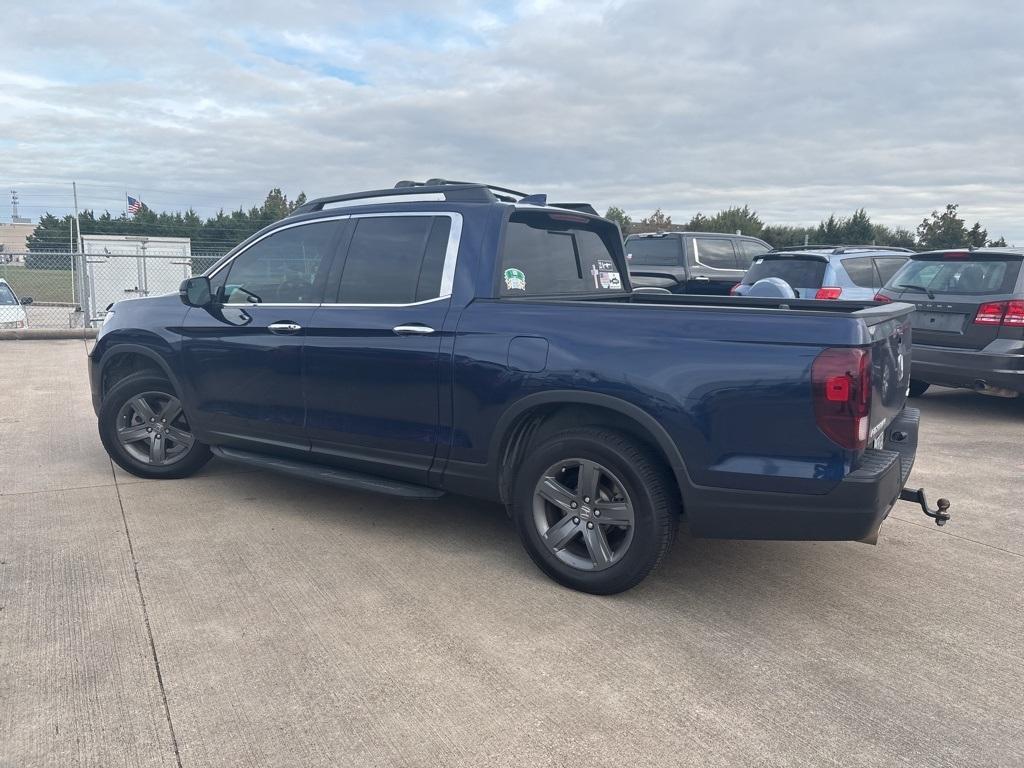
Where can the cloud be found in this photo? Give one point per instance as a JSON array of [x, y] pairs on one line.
[[797, 108]]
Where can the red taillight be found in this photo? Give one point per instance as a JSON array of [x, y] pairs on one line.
[[882, 298], [732, 291], [841, 385], [828, 292], [1014, 313], [956, 255], [990, 313]]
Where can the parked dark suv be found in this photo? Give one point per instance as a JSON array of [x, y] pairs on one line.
[[691, 262], [969, 323]]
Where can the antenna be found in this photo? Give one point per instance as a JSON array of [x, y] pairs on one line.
[[14, 209]]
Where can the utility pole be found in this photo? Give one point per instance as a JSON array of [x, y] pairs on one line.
[[77, 286]]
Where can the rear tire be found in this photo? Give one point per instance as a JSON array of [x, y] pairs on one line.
[[144, 429], [596, 510], [918, 387]]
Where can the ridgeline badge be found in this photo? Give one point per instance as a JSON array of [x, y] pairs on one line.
[[515, 279]]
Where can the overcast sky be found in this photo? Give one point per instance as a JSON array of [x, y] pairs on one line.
[[797, 108]]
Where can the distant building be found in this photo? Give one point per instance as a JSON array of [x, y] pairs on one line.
[[14, 237]]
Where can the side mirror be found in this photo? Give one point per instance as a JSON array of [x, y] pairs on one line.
[[26, 300], [195, 292]]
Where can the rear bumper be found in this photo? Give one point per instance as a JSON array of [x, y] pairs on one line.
[[1000, 364], [852, 510]]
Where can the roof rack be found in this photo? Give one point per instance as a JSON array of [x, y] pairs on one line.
[[840, 249], [462, 193], [453, 191]]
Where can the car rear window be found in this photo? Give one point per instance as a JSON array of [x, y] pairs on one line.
[[862, 272], [798, 272], [554, 254], [960, 276], [654, 252], [7, 296]]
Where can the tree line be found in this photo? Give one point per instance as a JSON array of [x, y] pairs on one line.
[[217, 234], [211, 237], [945, 229]]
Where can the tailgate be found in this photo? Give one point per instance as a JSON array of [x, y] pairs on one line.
[[890, 363]]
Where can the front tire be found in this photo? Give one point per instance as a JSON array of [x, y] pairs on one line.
[[596, 510], [145, 431]]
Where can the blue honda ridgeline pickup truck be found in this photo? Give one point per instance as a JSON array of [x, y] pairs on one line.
[[473, 340]]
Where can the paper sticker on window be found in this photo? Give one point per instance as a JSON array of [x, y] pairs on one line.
[[610, 281], [515, 279]]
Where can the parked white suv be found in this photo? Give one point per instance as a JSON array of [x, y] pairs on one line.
[[12, 311]]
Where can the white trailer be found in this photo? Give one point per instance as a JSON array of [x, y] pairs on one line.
[[123, 266]]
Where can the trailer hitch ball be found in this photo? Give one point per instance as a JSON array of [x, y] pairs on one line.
[[940, 514]]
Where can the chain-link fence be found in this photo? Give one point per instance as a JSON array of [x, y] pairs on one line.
[[73, 290]]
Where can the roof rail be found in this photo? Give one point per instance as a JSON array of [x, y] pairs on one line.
[[503, 194], [461, 193], [840, 249]]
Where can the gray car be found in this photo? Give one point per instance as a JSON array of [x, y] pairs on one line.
[[849, 272], [968, 330]]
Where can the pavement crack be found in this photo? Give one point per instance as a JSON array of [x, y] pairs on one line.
[[145, 617], [936, 529]]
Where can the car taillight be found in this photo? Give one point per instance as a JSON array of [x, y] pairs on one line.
[[1014, 313], [882, 298], [841, 386], [732, 291], [990, 313], [828, 292]]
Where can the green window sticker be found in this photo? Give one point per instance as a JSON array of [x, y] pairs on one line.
[[515, 279]]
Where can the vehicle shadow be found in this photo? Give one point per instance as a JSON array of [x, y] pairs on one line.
[[943, 401]]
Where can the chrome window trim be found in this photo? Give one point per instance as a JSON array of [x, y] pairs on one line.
[[451, 257], [696, 254]]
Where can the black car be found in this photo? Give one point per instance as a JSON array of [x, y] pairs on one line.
[[968, 330], [691, 262]]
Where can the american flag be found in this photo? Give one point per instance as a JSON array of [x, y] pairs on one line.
[[134, 206]]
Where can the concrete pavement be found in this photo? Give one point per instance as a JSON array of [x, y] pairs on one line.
[[247, 619]]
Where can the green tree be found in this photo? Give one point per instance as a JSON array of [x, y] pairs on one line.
[[785, 236], [729, 221], [620, 217], [1000, 242], [948, 230], [898, 237], [657, 221]]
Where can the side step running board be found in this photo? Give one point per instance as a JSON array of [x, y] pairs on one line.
[[331, 475]]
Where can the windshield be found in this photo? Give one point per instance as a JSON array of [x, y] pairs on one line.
[[6, 296], [798, 272], [654, 252], [957, 277]]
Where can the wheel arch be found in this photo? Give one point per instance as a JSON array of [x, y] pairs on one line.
[[123, 359], [542, 412]]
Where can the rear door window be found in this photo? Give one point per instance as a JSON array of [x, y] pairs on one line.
[[395, 260], [7, 296], [547, 255], [862, 272], [960, 276], [888, 266], [717, 252], [798, 272], [654, 252], [748, 250]]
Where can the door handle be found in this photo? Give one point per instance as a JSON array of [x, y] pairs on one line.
[[701, 279], [412, 330], [284, 328]]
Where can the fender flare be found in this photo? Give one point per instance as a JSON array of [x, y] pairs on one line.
[[656, 431], [119, 348]]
